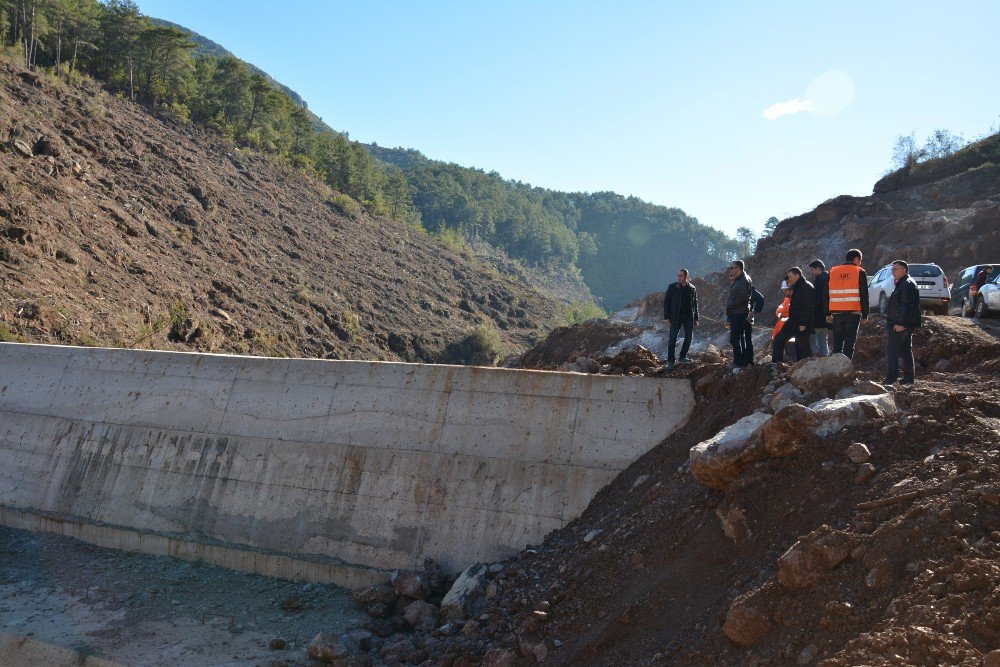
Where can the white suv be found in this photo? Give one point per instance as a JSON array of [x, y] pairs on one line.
[[935, 294], [988, 298]]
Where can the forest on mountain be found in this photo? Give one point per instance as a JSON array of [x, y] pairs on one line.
[[623, 246], [169, 69], [620, 246]]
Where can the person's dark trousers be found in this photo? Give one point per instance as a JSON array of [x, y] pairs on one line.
[[845, 333], [687, 322], [899, 344], [737, 336], [802, 347], [747, 343]]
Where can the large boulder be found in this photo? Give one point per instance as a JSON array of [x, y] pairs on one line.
[[327, 648], [823, 375], [465, 597], [718, 461], [745, 624], [784, 396], [809, 559], [789, 430], [832, 415], [410, 584], [421, 615]]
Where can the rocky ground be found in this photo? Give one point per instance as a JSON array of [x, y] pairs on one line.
[[863, 528], [121, 228], [136, 609]]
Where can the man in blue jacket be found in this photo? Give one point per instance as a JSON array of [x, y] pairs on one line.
[[680, 309], [902, 318]]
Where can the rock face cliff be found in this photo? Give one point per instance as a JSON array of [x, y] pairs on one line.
[[119, 227]]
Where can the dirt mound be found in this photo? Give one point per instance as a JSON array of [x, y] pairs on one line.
[[882, 554], [120, 228], [565, 344]]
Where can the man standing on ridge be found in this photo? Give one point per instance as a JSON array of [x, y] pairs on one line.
[[847, 302], [902, 317], [821, 281], [801, 315], [738, 315], [680, 308]]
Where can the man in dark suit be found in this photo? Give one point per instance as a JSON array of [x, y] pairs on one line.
[[801, 318], [680, 309], [901, 320]]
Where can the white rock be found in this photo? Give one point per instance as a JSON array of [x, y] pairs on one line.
[[592, 535], [858, 452], [719, 460], [823, 375], [834, 415], [465, 596]]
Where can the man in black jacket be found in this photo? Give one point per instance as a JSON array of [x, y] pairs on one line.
[[821, 281], [738, 315], [902, 317], [801, 318], [680, 308]]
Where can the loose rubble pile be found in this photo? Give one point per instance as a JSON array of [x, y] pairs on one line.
[[806, 515]]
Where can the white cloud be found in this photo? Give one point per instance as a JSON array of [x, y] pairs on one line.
[[788, 108], [827, 95]]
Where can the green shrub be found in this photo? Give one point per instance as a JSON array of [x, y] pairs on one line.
[[454, 241], [346, 205], [575, 313], [8, 336], [481, 346]]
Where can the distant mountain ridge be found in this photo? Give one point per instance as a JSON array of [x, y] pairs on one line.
[[621, 246]]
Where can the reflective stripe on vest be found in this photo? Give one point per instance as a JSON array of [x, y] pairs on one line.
[[845, 293]]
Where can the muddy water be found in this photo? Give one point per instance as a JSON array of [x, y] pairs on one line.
[[156, 610]]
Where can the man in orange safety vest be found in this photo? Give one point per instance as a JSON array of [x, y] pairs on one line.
[[847, 303], [782, 311]]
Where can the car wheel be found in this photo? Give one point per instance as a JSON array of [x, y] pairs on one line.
[[883, 304], [980, 308]]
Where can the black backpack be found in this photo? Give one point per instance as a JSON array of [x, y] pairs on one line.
[[756, 301]]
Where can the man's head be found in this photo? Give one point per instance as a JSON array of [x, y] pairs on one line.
[[682, 276], [736, 269], [899, 270], [854, 257], [816, 267], [989, 269], [793, 275]]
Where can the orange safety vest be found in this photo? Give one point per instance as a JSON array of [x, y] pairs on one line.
[[782, 314], [845, 293]]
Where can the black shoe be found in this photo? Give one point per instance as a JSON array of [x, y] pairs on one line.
[[906, 381], [670, 366], [684, 360], [888, 381]]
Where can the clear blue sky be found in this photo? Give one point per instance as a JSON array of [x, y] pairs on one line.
[[662, 100]]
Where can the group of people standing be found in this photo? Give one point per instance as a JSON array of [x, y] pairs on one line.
[[834, 301]]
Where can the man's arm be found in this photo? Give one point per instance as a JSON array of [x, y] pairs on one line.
[[863, 286], [666, 302], [694, 302]]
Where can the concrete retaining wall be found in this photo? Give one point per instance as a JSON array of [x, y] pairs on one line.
[[326, 470]]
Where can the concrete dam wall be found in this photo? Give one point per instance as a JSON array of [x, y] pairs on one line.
[[323, 470]]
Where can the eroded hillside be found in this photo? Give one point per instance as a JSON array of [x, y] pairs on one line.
[[121, 228]]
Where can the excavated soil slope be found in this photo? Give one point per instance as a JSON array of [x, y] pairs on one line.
[[647, 575], [121, 228]]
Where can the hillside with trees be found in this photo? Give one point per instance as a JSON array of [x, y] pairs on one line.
[[622, 246], [193, 80]]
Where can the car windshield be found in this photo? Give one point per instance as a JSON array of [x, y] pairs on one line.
[[924, 271]]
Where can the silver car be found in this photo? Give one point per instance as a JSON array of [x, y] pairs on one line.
[[935, 293], [988, 298]]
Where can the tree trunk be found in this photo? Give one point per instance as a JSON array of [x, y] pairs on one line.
[[76, 48], [59, 47]]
